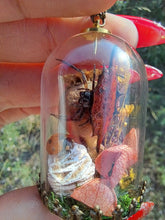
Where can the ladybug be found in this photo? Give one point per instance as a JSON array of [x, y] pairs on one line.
[[54, 145]]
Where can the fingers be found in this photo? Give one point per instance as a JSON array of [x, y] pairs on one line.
[[20, 91], [123, 28], [19, 85], [33, 40], [24, 204], [16, 10], [11, 115]]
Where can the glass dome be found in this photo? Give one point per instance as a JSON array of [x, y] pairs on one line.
[[93, 109]]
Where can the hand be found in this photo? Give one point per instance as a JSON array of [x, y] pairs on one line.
[[25, 44]]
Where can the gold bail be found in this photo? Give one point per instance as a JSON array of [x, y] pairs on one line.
[[98, 23], [99, 19]]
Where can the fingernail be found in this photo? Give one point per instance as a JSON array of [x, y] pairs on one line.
[[150, 32], [144, 210], [153, 73]]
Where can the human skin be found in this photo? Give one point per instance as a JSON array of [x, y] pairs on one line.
[[29, 31]]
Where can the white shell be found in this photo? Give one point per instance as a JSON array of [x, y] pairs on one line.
[[69, 170]]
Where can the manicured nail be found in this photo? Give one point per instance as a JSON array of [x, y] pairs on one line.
[[144, 210], [153, 73], [150, 32]]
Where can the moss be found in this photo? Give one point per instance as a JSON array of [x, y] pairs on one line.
[[125, 200]]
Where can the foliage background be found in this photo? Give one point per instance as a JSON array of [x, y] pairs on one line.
[[19, 166]]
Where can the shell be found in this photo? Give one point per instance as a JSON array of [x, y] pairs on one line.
[[67, 170]]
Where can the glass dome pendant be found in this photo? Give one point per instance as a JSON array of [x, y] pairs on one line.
[[93, 109]]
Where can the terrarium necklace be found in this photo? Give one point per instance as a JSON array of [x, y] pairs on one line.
[[93, 108]]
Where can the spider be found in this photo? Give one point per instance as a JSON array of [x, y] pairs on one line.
[[84, 101], [99, 102]]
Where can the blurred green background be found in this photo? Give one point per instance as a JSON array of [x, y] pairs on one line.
[[19, 166]]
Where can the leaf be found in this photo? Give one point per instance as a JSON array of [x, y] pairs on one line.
[[113, 162], [96, 193]]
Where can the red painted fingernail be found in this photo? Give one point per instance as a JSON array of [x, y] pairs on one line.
[[150, 32], [144, 210], [153, 73]]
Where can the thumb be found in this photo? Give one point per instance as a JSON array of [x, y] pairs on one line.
[[24, 204]]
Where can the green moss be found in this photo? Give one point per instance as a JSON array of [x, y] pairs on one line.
[[66, 203], [125, 200]]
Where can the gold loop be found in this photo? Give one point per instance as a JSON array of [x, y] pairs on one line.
[[99, 19]]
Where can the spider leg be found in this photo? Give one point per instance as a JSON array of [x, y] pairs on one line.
[[77, 69]]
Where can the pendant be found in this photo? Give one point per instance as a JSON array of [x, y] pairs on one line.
[[93, 110]]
